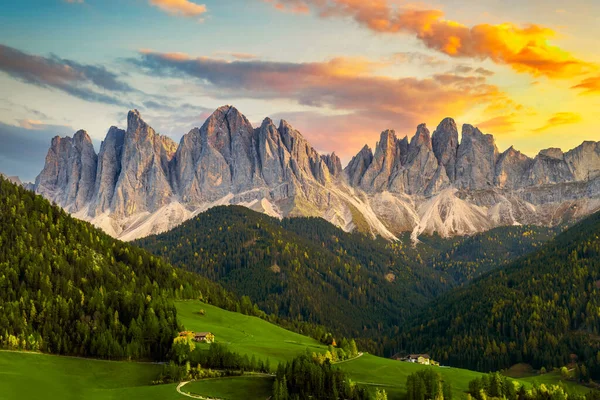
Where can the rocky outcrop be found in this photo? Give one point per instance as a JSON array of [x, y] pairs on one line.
[[584, 161], [548, 167], [475, 160], [445, 146], [420, 165], [511, 169], [108, 171], [143, 183], [385, 160], [69, 172], [355, 170]]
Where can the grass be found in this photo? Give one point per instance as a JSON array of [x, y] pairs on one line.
[[32, 376], [245, 334], [232, 388], [253, 336]]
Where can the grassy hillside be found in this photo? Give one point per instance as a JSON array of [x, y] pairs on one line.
[[253, 336], [245, 334], [249, 387], [30, 375], [41, 376]]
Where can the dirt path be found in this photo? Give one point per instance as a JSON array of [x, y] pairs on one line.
[[348, 360]]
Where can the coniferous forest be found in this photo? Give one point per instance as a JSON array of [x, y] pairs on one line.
[[543, 309]]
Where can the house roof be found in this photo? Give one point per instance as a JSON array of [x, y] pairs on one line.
[[203, 333], [418, 355]]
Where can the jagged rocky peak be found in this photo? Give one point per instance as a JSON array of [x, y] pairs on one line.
[[445, 146], [358, 165], [548, 167], [304, 159], [476, 159], [143, 184], [334, 164], [584, 160], [420, 166], [552, 152], [69, 172], [387, 156], [511, 168], [422, 138], [227, 128], [108, 170]]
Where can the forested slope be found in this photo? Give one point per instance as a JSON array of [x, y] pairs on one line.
[[68, 288], [543, 309], [347, 282]]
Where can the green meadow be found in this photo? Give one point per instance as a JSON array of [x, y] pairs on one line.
[[250, 388], [33, 375], [41, 376]]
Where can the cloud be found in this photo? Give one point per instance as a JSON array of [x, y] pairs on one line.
[[524, 48], [79, 80], [484, 72], [561, 118], [237, 56], [74, 1], [418, 58], [499, 124], [298, 8], [180, 8], [589, 85], [348, 86]]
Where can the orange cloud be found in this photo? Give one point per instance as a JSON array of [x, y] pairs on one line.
[[525, 49], [589, 86], [499, 124], [561, 118], [363, 100], [181, 8]]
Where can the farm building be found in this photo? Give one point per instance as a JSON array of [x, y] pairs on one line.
[[206, 337]]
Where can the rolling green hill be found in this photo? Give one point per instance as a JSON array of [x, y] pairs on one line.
[[32, 375], [543, 309], [253, 336]]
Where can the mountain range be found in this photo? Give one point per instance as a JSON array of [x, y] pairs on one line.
[[142, 183]]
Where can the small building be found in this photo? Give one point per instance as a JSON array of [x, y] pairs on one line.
[[205, 337], [423, 359]]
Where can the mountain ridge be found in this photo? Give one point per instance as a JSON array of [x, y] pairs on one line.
[[142, 183]]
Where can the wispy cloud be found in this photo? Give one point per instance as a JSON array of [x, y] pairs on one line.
[[561, 118], [348, 86], [79, 80], [589, 85], [524, 48], [180, 8], [418, 58], [236, 55]]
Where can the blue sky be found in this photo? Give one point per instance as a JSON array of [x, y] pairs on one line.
[[341, 71]]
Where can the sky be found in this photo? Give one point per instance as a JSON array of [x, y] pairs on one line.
[[340, 71]]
